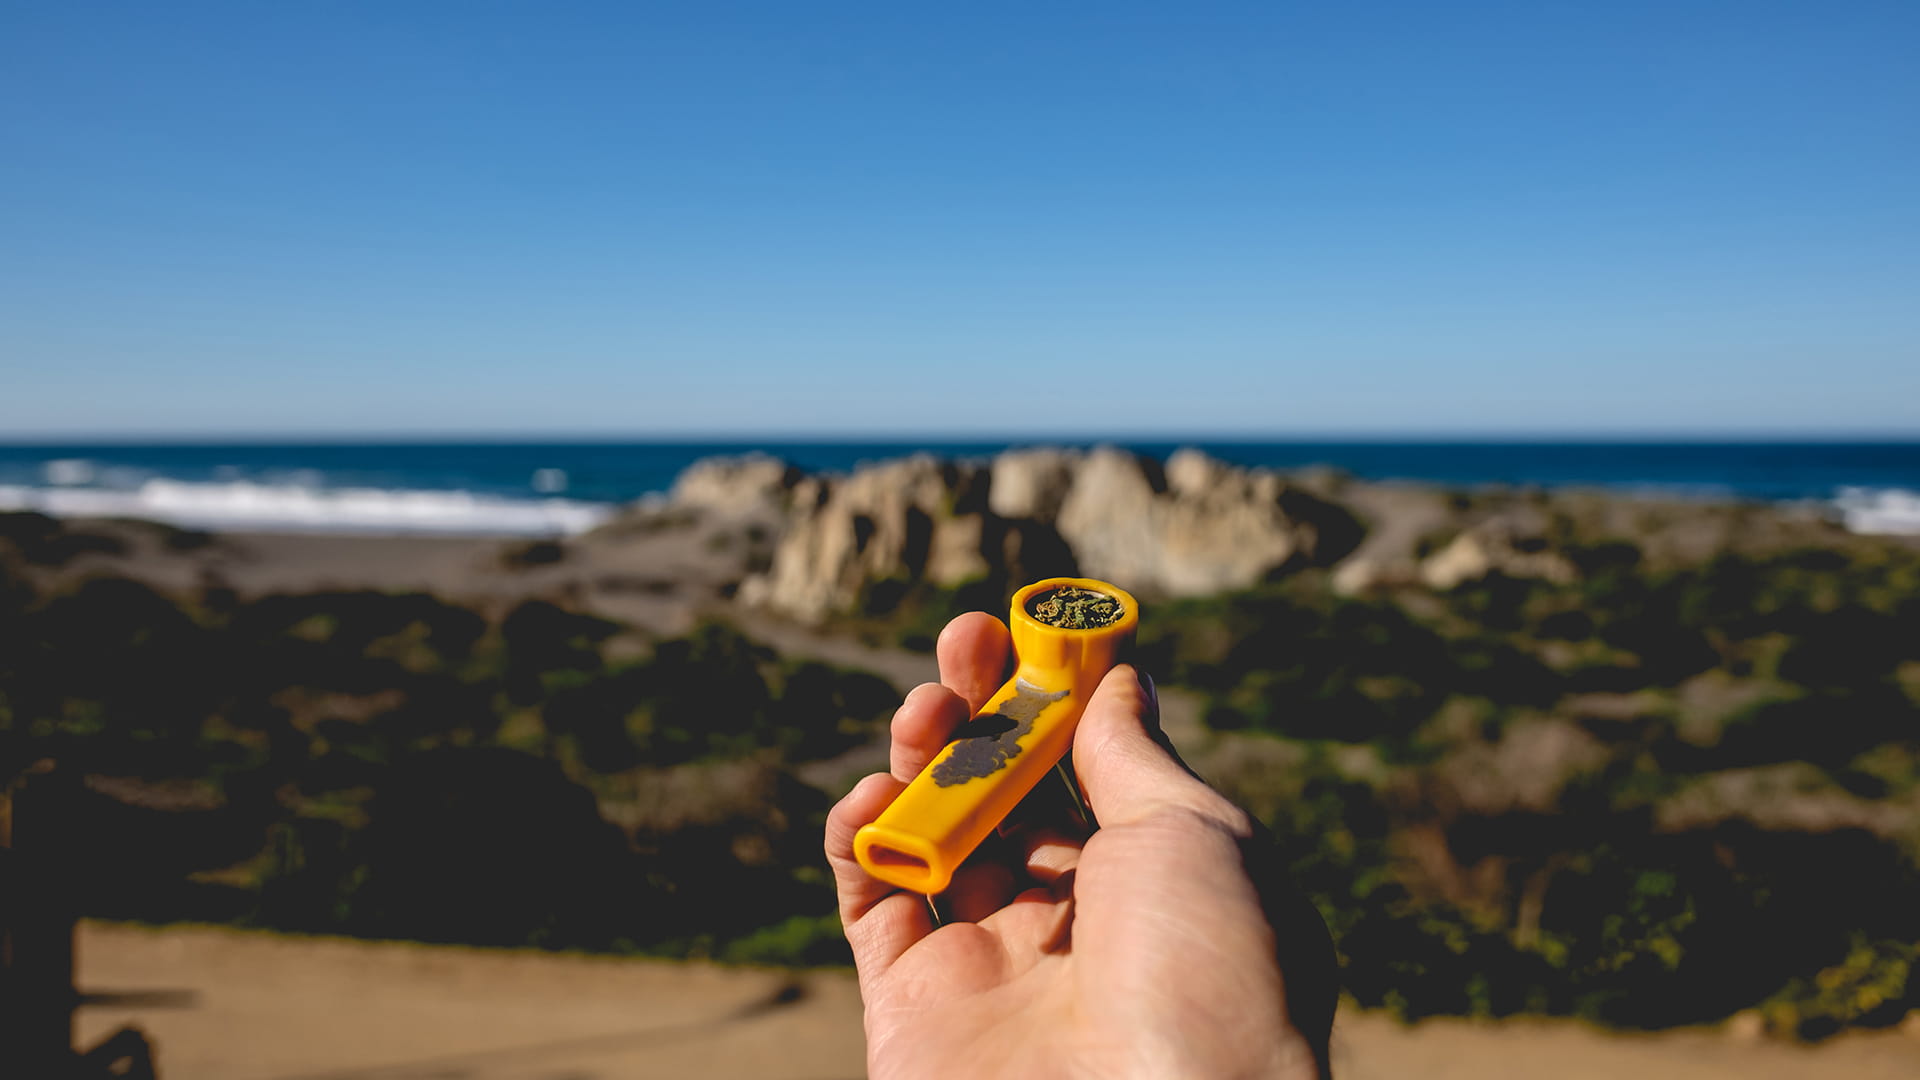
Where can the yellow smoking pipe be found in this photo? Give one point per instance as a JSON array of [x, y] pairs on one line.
[[1067, 632]]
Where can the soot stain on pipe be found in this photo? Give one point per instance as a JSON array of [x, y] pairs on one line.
[[985, 744]]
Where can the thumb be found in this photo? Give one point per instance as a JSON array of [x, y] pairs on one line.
[[1126, 767]]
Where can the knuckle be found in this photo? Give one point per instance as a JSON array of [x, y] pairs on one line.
[[1206, 810], [924, 691]]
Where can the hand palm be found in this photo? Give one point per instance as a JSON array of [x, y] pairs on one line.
[[1140, 950]]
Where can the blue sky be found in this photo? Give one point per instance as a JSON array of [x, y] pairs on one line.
[[1257, 219]]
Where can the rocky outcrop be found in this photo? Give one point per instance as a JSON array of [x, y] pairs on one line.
[[918, 518], [1503, 545], [1031, 483], [1196, 526], [1401, 520], [1191, 526], [1421, 536], [735, 485]]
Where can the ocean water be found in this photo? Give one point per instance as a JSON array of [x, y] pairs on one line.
[[558, 489]]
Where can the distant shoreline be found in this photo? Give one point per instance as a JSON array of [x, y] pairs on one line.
[[1398, 438], [507, 489]]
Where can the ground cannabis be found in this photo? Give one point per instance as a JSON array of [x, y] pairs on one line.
[[1072, 608]]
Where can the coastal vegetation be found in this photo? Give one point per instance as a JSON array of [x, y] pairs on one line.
[[397, 765], [1593, 779], [1644, 797]]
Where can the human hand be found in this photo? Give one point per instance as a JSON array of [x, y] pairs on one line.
[[1145, 949]]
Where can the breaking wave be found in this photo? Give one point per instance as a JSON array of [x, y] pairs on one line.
[[305, 508], [1879, 510]]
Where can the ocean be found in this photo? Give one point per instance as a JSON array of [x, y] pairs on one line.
[[558, 489]]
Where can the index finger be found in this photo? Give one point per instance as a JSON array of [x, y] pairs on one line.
[[973, 652]]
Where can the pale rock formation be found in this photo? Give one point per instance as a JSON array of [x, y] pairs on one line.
[[1107, 517], [959, 550], [1031, 483], [1398, 518], [735, 485], [1192, 474], [1356, 575], [1199, 527], [1196, 527], [918, 518], [1495, 545]]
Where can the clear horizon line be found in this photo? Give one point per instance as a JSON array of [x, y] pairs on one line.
[[893, 438]]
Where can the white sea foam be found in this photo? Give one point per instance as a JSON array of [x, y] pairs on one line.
[[303, 508], [68, 471], [1879, 510]]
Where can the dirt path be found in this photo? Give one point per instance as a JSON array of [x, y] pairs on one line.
[[231, 1005]]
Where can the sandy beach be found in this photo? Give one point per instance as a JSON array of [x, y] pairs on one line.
[[654, 578], [253, 1006]]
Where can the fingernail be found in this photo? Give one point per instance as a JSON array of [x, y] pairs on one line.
[[1153, 699]]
